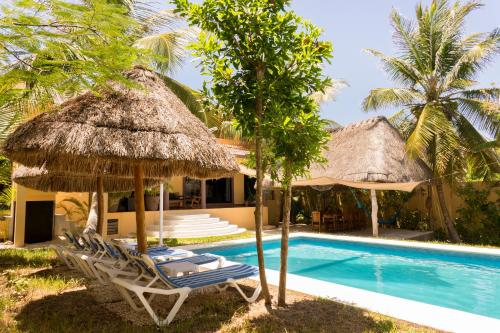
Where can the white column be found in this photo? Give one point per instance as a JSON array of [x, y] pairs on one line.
[[203, 191], [374, 213], [161, 214]]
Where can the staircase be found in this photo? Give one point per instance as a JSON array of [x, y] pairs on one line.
[[192, 225]]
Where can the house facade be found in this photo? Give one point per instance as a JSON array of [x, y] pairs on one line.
[[39, 216]]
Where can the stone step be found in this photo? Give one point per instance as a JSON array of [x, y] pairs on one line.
[[186, 216], [190, 221], [190, 226], [231, 230]]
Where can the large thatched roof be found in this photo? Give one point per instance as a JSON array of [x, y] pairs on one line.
[[43, 180], [122, 126], [369, 154]]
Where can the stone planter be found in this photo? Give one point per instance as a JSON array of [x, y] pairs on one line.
[[151, 203]]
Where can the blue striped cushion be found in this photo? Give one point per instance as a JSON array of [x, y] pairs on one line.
[[211, 277], [196, 260]]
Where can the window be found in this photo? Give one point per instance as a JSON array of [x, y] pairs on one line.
[[220, 191]]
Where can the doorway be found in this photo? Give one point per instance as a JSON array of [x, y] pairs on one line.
[[39, 221]]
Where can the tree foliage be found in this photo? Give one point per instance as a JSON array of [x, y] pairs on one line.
[[443, 114], [264, 62]]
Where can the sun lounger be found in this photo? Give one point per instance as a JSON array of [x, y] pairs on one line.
[[182, 286]]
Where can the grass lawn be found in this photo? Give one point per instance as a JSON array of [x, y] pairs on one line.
[[38, 295], [200, 240]]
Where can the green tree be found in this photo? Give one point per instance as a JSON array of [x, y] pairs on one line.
[[442, 113], [297, 142], [251, 49]]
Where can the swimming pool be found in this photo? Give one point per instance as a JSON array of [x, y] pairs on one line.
[[455, 280]]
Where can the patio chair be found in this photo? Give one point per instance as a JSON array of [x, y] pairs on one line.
[[220, 278]]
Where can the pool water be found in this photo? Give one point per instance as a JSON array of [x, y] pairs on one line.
[[461, 281]]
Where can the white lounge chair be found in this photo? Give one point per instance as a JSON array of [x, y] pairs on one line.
[[161, 284]]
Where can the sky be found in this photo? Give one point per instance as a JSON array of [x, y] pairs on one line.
[[352, 26]]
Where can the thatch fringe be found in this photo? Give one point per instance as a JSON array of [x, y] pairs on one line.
[[42, 180]]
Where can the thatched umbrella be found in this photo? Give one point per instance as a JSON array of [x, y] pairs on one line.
[[142, 130], [371, 155]]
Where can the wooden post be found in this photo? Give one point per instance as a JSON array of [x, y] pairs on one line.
[[139, 208], [203, 191], [100, 205], [166, 204], [374, 213], [161, 215]]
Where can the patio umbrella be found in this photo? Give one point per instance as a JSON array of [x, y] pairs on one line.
[[140, 129], [43, 180], [370, 155]]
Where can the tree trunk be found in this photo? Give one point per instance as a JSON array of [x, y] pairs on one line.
[[373, 194], [139, 208], [100, 205], [259, 110], [91, 225], [287, 204], [452, 232]]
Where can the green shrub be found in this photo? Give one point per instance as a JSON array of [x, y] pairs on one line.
[[413, 220], [478, 222]]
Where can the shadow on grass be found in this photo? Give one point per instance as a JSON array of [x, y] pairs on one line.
[[81, 311], [317, 316]]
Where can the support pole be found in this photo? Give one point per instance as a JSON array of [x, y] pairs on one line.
[[100, 205], [203, 191], [374, 212], [161, 215], [139, 208]]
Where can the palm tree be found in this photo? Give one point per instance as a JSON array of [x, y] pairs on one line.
[[443, 115]]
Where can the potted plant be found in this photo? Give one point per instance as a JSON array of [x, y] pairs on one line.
[[152, 199]]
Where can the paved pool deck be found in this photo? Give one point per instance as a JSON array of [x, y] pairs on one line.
[[385, 233]]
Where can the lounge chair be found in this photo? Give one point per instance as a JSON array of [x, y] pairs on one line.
[[220, 278], [143, 272]]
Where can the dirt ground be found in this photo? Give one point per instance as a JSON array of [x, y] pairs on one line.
[[55, 299]]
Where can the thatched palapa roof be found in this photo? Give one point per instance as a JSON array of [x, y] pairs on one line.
[[43, 180], [110, 133], [370, 154]]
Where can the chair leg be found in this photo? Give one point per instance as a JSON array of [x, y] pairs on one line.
[[250, 299], [171, 315]]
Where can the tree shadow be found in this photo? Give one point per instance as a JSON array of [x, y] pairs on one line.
[[101, 309], [318, 315]]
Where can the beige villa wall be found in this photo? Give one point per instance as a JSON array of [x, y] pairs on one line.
[[453, 201], [24, 194], [241, 216]]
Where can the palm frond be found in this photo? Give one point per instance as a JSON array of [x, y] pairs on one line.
[[404, 37], [473, 59], [399, 69], [167, 49], [483, 113], [190, 97], [482, 153], [330, 93], [388, 97]]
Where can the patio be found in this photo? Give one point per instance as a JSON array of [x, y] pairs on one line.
[[388, 233]]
